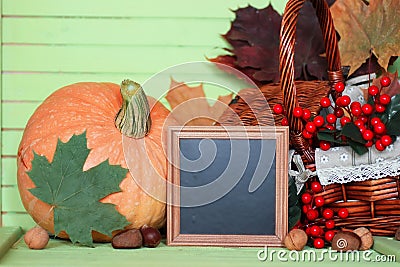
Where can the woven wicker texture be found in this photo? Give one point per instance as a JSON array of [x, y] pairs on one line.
[[373, 203]]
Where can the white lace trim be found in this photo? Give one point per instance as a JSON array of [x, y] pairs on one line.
[[358, 173]]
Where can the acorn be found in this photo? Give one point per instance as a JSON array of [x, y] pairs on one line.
[[366, 238], [296, 239], [346, 240]]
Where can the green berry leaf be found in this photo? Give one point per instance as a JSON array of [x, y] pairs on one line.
[[351, 131], [393, 125], [360, 149], [330, 136], [74, 194], [294, 204]]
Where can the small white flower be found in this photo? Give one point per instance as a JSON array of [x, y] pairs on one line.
[[336, 148], [349, 90], [379, 160], [390, 147], [344, 157], [361, 98], [324, 159]]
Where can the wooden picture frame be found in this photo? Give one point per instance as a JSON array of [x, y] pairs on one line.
[[176, 236]]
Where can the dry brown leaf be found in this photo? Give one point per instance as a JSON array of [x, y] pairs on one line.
[[189, 105], [364, 28]]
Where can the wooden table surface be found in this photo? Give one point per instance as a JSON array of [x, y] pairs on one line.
[[13, 252]]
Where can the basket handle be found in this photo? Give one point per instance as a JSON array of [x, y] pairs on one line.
[[286, 66]]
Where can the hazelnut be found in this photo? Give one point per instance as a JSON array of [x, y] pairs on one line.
[[296, 239], [346, 240], [131, 238], [366, 238], [36, 238], [151, 236]]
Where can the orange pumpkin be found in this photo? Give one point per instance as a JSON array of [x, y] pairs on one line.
[[92, 107]]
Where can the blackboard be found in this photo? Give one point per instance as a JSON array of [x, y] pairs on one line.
[[227, 186]]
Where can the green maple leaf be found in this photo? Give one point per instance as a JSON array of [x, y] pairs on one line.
[[74, 194]]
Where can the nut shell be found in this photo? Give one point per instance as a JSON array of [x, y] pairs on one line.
[[296, 239], [127, 239], [366, 238], [346, 240], [36, 238], [397, 235]]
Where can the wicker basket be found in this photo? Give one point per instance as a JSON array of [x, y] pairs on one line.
[[374, 203]]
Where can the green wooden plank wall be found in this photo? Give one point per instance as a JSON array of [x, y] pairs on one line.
[[46, 44]]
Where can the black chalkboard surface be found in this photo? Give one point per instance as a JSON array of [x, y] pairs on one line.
[[227, 186], [237, 211]]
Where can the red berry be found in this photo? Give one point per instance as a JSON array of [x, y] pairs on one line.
[[329, 235], [306, 114], [306, 198], [356, 111], [315, 230], [330, 224], [367, 109], [369, 143], [310, 127], [324, 145], [308, 231], [319, 243], [385, 81], [380, 108], [373, 90], [355, 104], [379, 128], [325, 102], [316, 187], [384, 99], [339, 112], [363, 118], [285, 122], [343, 213], [375, 120], [306, 134], [344, 120], [345, 100], [319, 121], [278, 109], [330, 118], [298, 112], [319, 201], [312, 215], [359, 123], [330, 127], [339, 87], [386, 140], [306, 208], [368, 135], [379, 146], [327, 214]]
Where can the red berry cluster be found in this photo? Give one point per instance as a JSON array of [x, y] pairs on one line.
[[319, 229], [371, 127]]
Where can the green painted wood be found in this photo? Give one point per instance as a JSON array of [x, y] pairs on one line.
[[387, 246], [128, 8], [58, 253], [92, 59], [9, 171], [11, 200], [38, 86], [11, 141], [8, 236], [100, 31], [1, 108], [16, 115], [23, 220]]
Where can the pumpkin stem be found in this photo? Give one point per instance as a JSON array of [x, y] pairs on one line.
[[133, 119]]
